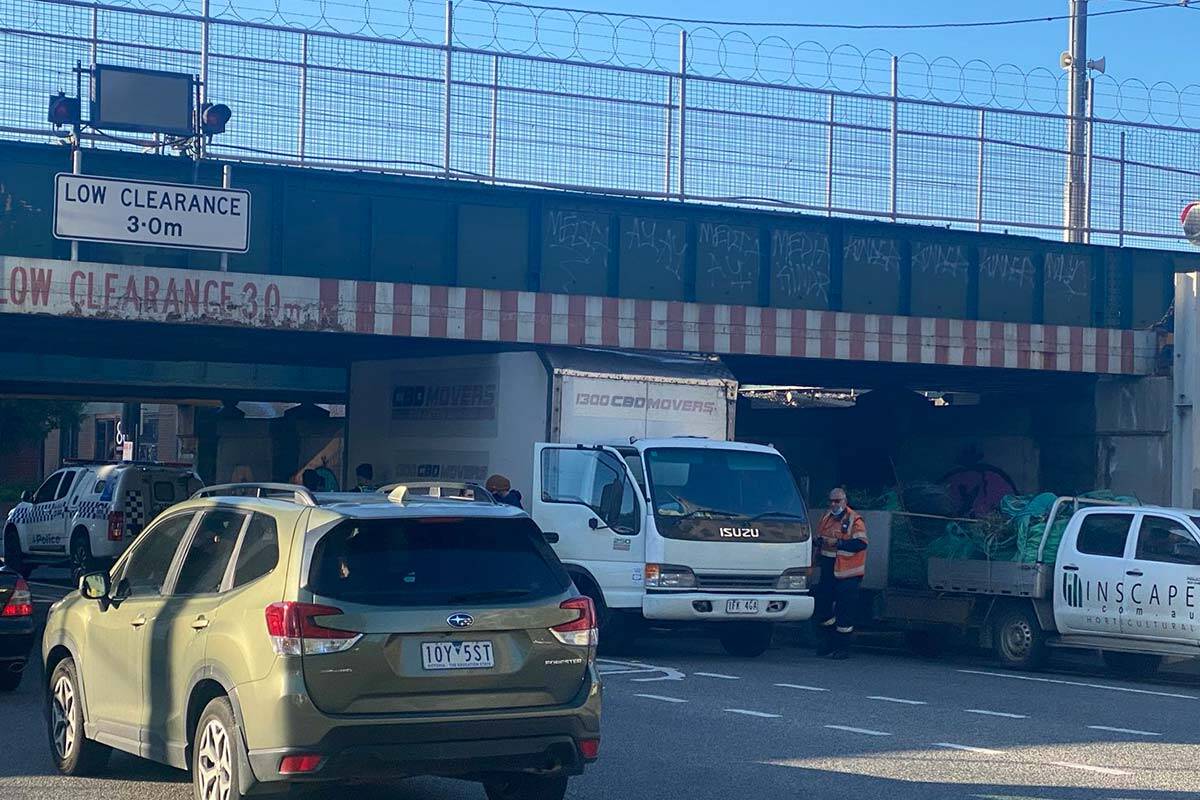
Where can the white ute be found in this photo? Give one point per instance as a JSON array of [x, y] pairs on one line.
[[88, 513]]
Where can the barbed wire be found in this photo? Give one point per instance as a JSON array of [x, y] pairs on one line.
[[712, 51]]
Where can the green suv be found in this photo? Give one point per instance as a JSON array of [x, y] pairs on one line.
[[284, 637]]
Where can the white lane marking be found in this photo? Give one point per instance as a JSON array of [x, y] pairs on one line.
[[899, 700], [747, 713], [1004, 714], [863, 731], [1089, 768], [717, 675], [801, 687], [661, 697], [610, 666], [968, 748], [1123, 730], [1078, 683]]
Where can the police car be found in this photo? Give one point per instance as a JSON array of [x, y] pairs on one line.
[[88, 513]]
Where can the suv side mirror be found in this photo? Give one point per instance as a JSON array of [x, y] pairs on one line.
[[95, 586]]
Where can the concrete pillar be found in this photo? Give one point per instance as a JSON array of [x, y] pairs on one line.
[[1185, 483]]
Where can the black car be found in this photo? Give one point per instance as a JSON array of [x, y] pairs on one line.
[[16, 627]]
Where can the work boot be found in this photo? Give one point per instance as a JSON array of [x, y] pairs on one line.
[[825, 642], [841, 648]]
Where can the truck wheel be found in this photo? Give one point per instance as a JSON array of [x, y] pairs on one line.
[[616, 630], [1131, 665], [14, 559], [746, 639], [1020, 642], [81, 554]]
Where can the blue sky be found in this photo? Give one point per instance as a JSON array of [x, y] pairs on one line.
[[1152, 45]]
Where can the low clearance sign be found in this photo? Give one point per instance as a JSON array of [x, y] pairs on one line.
[[159, 295]]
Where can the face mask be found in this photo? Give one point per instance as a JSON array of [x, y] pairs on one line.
[[838, 510]]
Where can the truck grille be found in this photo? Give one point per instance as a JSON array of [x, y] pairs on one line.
[[736, 583]]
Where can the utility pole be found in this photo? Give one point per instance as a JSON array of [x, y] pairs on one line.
[[1074, 60]]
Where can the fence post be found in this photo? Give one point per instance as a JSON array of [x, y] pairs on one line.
[[1087, 167], [93, 46], [1121, 193], [494, 133], [303, 127], [226, 183], [682, 111], [829, 161], [669, 128], [204, 17], [448, 87], [979, 171], [895, 136]]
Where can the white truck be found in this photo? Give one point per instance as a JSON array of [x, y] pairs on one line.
[[87, 513], [1125, 581], [629, 469]]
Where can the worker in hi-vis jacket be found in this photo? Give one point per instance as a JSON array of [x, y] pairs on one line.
[[842, 545]]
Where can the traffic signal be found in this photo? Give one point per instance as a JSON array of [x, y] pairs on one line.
[[1190, 218], [214, 118], [63, 110]]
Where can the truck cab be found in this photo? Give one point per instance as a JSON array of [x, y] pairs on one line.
[[679, 530], [1130, 575]]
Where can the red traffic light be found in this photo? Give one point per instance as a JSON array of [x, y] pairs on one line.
[[63, 110], [214, 118]]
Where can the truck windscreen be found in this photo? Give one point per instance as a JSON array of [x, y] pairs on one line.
[[715, 494]]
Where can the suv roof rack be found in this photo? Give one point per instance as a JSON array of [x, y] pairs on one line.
[[299, 494], [401, 492], [103, 462]]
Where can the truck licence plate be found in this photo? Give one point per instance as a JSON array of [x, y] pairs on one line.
[[741, 606], [457, 655]]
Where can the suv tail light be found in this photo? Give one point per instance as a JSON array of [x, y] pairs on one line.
[[20, 602], [293, 631], [581, 631], [116, 526]]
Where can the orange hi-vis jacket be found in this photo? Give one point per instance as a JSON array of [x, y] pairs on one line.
[[850, 560]]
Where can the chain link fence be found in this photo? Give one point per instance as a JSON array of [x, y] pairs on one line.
[[574, 100]]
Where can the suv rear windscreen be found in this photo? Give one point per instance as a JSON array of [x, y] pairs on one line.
[[434, 562]]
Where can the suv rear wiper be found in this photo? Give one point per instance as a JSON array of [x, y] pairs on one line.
[[494, 594]]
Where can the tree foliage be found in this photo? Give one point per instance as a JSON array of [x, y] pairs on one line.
[[23, 420]]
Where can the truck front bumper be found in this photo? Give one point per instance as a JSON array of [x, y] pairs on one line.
[[714, 607]]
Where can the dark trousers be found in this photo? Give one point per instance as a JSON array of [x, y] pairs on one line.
[[836, 605]]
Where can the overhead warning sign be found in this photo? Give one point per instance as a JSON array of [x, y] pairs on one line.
[[95, 209]]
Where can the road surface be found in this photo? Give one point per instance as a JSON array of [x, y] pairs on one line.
[[682, 720]]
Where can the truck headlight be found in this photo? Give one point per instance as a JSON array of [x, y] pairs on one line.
[[794, 580], [669, 576]]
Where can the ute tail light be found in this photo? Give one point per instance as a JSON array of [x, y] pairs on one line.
[[581, 631], [116, 526], [20, 602], [294, 632]]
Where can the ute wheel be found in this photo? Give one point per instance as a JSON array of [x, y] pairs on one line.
[[527, 787], [10, 676], [1020, 642], [1131, 665], [14, 559], [216, 746], [81, 555], [74, 754], [746, 639]]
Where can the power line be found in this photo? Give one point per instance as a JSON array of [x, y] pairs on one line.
[[1142, 5]]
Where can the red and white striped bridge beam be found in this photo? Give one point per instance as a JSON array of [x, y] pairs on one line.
[[202, 297]]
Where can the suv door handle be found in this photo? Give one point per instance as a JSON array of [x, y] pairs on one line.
[[138, 621], [200, 623], [550, 536], [1070, 568], [1137, 573]]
